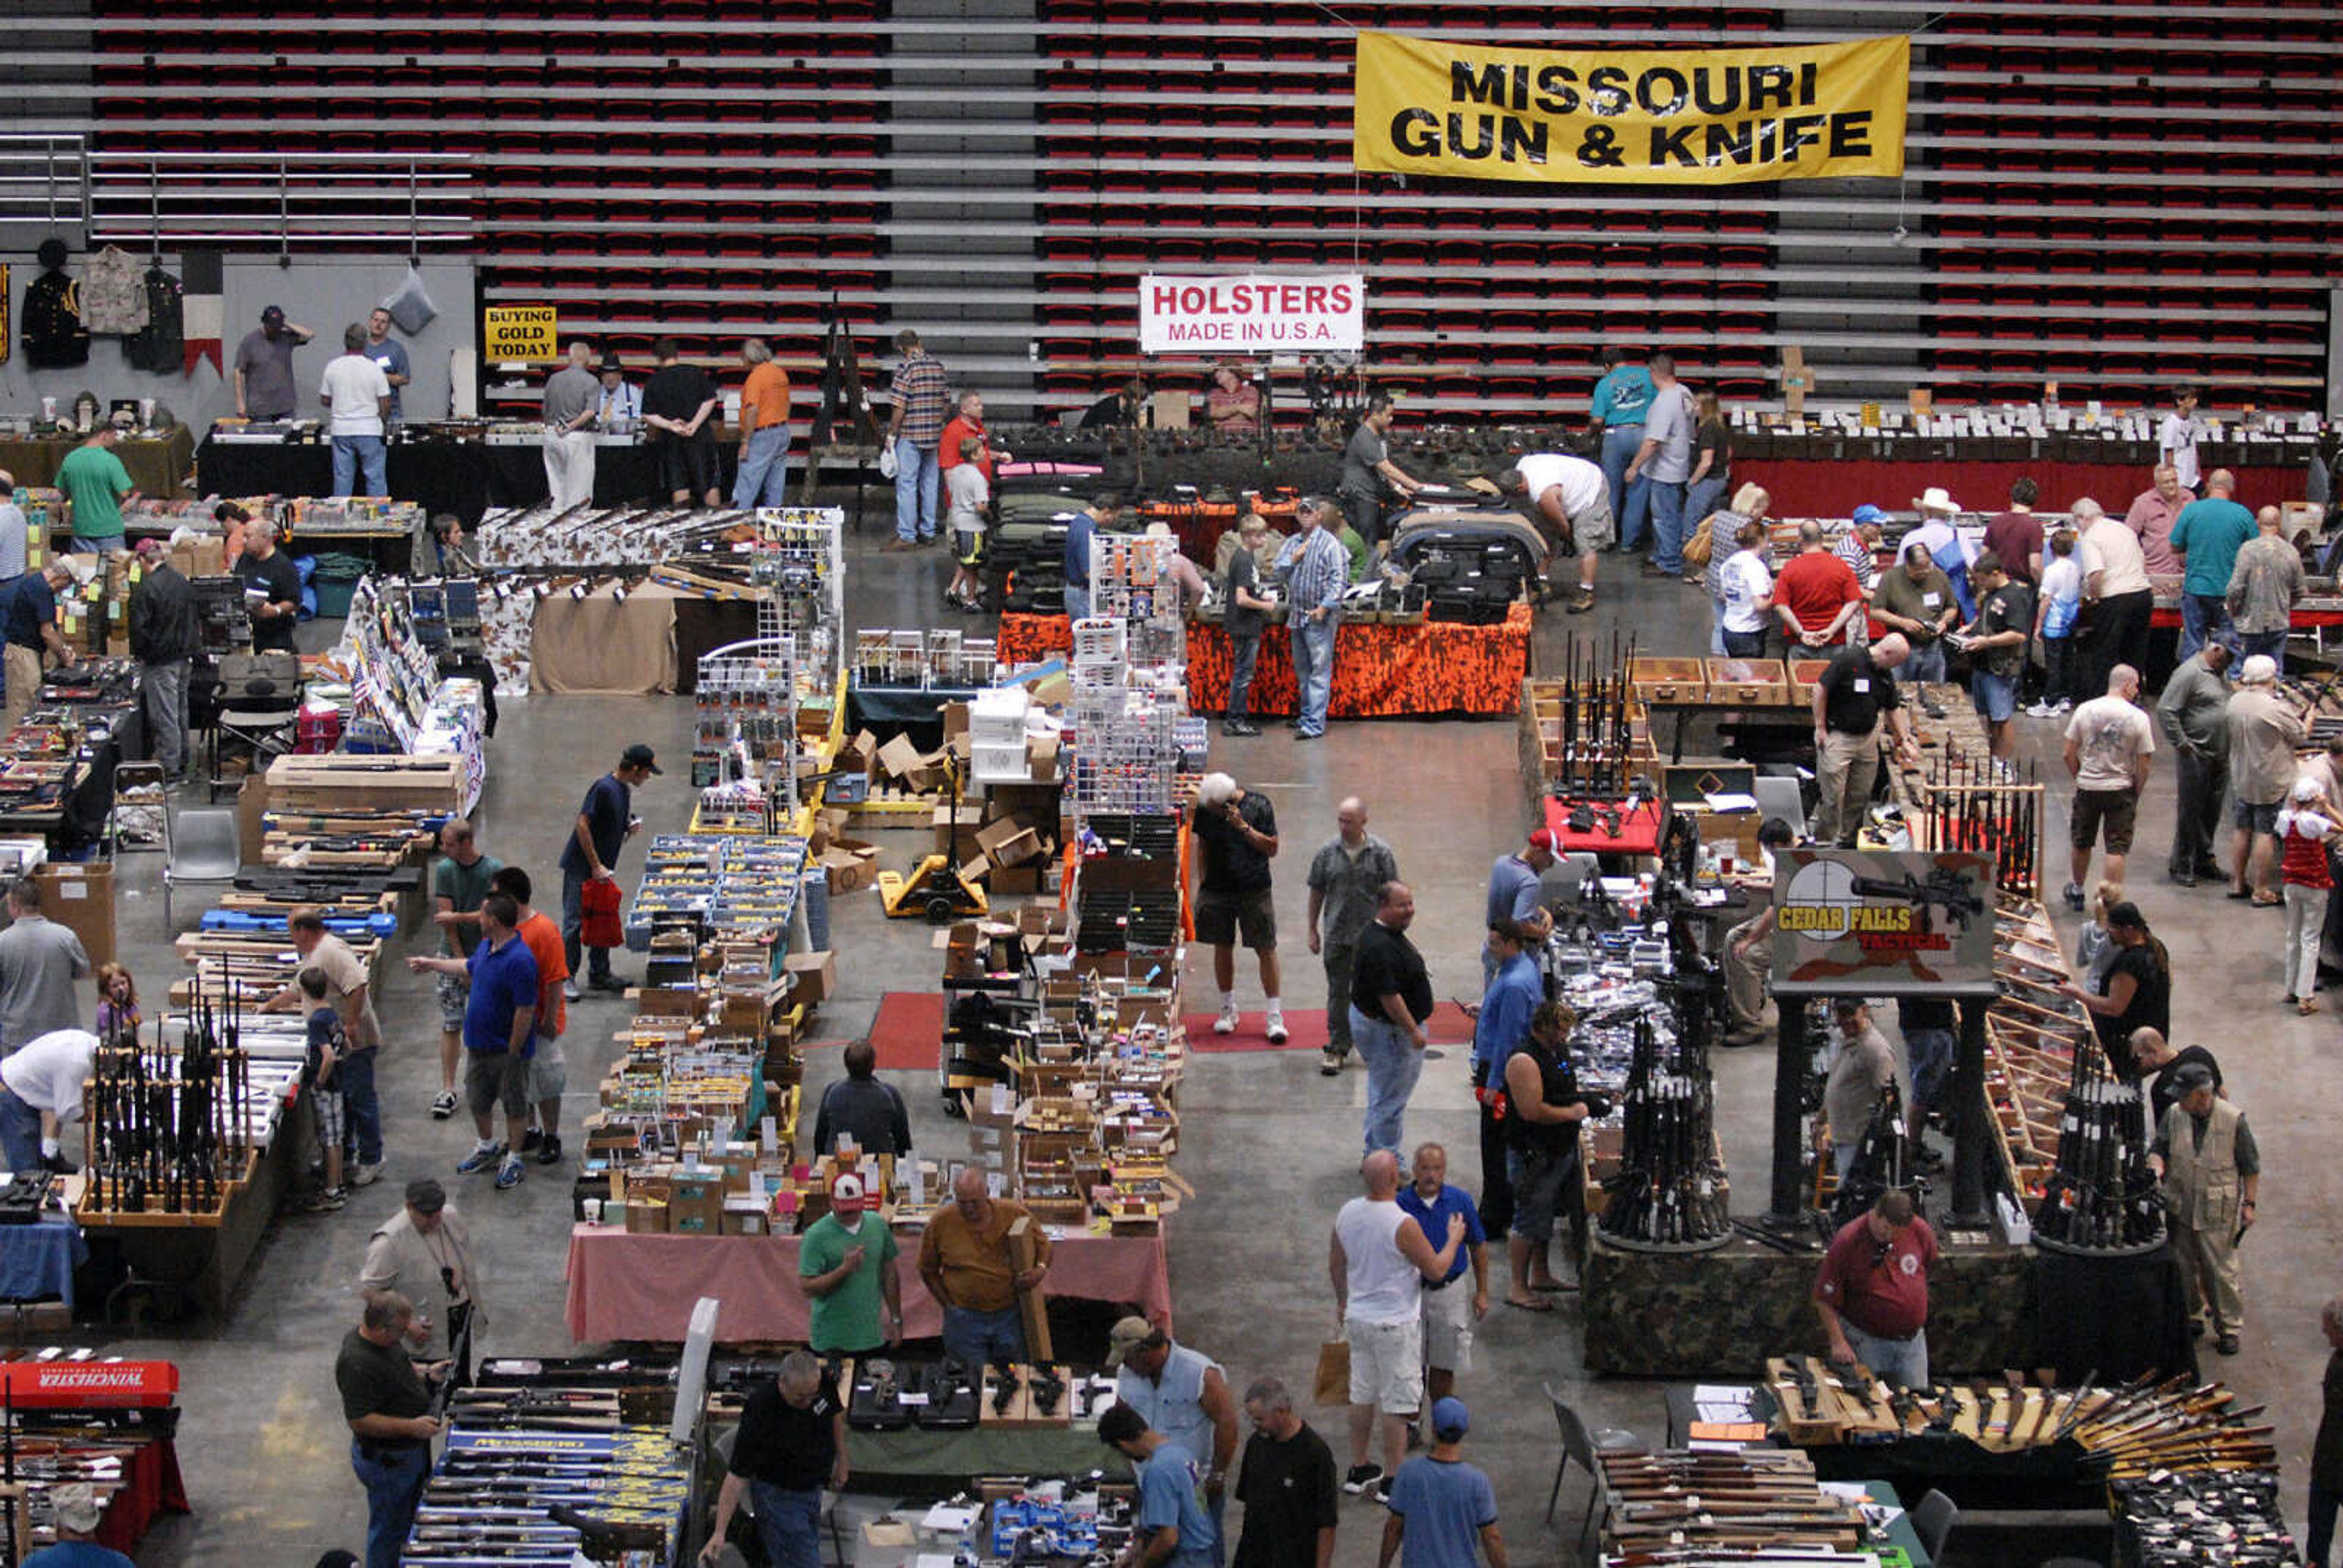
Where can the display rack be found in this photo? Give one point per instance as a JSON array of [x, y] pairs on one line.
[[401, 701], [1131, 582]]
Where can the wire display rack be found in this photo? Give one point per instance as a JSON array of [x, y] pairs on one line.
[[1131, 582]]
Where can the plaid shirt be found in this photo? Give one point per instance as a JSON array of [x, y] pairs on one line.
[[1317, 569], [919, 390]]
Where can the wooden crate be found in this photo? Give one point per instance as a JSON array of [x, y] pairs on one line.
[[1667, 679], [1803, 673], [1749, 683]]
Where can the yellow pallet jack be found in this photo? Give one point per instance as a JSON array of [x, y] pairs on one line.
[[935, 888]]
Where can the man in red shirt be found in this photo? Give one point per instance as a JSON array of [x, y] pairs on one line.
[[1816, 595], [968, 422], [1873, 1291], [2016, 535]]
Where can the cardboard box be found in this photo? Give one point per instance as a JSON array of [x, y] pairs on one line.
[[645, 1218], [958, 830], [251, 819], [1011, 880], [851, 863], [1008, 842], [80, 898], [898, 758], [813, 976]]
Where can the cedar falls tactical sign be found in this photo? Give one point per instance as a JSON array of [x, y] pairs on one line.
[[1677, 116], [1882, 923]]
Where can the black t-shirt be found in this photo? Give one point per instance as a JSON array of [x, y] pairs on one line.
[[1231, 865], [1388, 963], [277, 577], [1243, 572], [378, 1380], [779, 1443], [2163, 1093], [1287, 1492], [2151, 1006], [1714, 438], [1856, 692], [1557, 1085], [1927, 1012], [2009, 608], [676, 392]]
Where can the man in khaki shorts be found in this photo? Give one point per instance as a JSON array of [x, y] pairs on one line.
[[1380, 1261], [1451, 1304]]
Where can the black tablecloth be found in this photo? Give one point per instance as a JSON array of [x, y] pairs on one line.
[[2117, 1318], [463, 478], [916, 713]]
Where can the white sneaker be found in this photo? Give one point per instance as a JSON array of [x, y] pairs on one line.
[[2040, 710], [1227, 1022], [1276, 1027]]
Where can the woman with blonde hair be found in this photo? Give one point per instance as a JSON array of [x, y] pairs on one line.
[[1750, 504]]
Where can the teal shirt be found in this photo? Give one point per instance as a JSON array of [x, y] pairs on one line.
[[848, 1318], [2210, 533], [95, 480], [1623, 396], [465, 887]]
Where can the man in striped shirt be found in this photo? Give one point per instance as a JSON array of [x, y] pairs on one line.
[[1316, 569], [914, 431]]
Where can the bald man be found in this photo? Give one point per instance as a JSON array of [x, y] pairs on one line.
[[1345, 875], [2264, 585], [968, 1264], [1379, 1260]]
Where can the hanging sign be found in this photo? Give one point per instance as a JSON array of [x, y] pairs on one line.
[[1252, 312]]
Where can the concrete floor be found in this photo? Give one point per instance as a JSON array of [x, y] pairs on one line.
[[1271, 1145]]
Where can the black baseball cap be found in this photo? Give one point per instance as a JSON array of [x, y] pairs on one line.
[[273, 313], [639, 756], [2193, 1075]]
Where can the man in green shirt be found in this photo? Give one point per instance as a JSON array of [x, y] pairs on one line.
[[96, 483], [459, 885], [1348, 536], [846, 1266]]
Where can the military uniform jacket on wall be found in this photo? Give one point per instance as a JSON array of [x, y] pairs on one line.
[[113, 300], [54, 338], [158, 345]]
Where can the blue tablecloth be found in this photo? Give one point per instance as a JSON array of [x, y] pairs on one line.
[[39, 1261]]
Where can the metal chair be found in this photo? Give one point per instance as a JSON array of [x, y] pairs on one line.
[[205, 849], [1781, 798], [1579, 1446], [260, 700], [1932, 1520]]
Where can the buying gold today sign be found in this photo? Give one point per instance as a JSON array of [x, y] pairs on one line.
[[1675, 117]]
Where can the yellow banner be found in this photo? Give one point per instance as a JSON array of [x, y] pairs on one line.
[[1677, 116], [517, 333]]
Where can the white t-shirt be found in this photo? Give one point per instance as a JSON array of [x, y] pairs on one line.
[[2109, 735], [965, 486], [2062, 590], [1669, 423], [46, 1073], [2177, 441], [352, 385], [1385, 1287], [2112, 550], [1748, 579], [1582, 482]]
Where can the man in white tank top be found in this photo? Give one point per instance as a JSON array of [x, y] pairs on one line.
[[1379, 1259]]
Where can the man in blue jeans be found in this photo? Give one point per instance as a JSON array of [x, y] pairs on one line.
[[791, 1443], [605, 821], [1621, 399], [1316, 569], [914, 430], [388, 1405], [969, 1258], [1101, 513], [1665, 462], [1391, 1001]]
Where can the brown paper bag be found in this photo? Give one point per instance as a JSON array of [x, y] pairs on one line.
[[1333, 1385]]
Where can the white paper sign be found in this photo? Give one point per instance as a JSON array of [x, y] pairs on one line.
[[1251, 313]]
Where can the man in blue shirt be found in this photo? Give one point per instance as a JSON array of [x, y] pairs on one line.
[[1449, 1314], [604, 823], [1514, 989], [1172, 1530], [31, 625], [1444, 1511], [77, 1514], [499, 1034], [1513, 894], [1316, 569], [1623, 399], [2207, 536], [387, 351], [1100, 514]]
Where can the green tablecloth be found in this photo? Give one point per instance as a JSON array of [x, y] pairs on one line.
[[954, 1456], [155, 466]]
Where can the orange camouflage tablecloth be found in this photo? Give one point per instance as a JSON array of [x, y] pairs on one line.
[[1436, 668]]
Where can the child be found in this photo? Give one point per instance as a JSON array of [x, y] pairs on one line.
[[326, 1044], [2302, 835], [969, 494], [117, 1003], [2054, 618]]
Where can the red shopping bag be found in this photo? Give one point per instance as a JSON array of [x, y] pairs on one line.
[[599, 906]]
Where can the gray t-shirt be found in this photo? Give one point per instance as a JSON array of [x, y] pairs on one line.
[[1366, 450], [1670, 423], [1347, 883], [570, 392], [12, 529], [40, 963], [267, 375]]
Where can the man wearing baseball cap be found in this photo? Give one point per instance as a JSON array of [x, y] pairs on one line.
[[424, 1253], [166, 635], [847, 1266], [1183, 1395], [1444, 1511], [264, 368], [1172, 1530], [2211, 1169], [77, 1514], [1513, 894], [604, 823]]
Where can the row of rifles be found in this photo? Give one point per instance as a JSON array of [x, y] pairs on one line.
[[169, 1133], [1596, 734], [2102, 1195], [1665, 1193]]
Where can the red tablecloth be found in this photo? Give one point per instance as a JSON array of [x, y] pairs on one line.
[[1638, 834], [1814, 488], [626, 1286], [150, 1485], [2169, 619], [1433, 669]]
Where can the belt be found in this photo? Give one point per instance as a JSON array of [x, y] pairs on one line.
[[1444, 1283], [376, 1453]]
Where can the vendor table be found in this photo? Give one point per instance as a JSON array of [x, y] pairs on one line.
[[952, 1457], [37, 1262], [915, 712], [1819, 487], [156, 467], [201, 1256], [1433, 669], [629, 1286], [150, 1485], [1639, 833], [464, 478], [2111, 1319]]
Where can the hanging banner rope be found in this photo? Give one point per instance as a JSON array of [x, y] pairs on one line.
[[1678, 116]]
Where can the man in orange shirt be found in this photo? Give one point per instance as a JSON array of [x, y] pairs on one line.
[[970, 422], [763, 479], [549, 1072]]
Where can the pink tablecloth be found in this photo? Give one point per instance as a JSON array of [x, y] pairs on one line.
[[639, 1287]]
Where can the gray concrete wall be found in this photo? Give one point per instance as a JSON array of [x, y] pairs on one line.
[[324, 293]]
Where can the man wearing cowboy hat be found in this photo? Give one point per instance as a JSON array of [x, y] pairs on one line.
[[1945, 546]]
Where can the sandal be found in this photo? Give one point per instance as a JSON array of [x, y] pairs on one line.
[[1530, 1306], [2237, 893], [2305, 1007], [2264, 901]]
